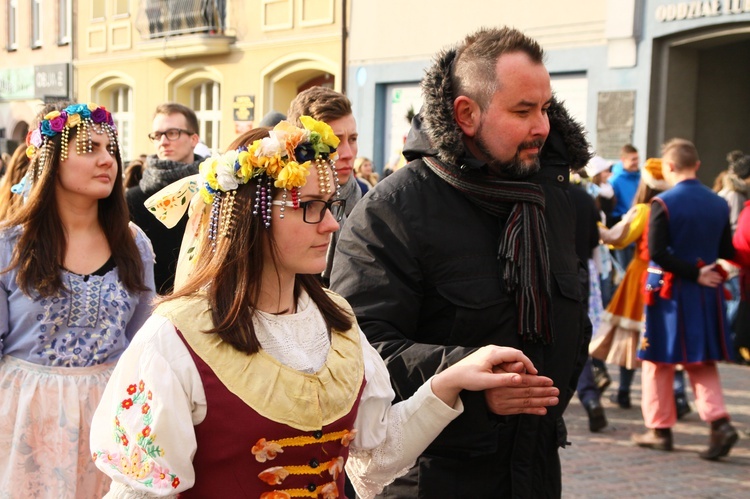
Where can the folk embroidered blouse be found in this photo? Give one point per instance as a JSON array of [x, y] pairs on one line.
[[158, 378], [90, 322]]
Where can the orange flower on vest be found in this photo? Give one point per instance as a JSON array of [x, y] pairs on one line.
[[336, 466], [276, 494], [348, 437], [273, 476], [266, 451], [329, 491]]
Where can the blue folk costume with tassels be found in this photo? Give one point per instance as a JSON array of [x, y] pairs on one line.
[[689, 227]]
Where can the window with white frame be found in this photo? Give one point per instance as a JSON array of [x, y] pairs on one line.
[[36, 23], [205, 101], [121, 8], [121, 106], [98, 11], [63, 27], [12, 24]]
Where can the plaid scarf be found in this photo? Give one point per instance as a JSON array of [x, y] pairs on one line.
[[523, 253], [159, 173]]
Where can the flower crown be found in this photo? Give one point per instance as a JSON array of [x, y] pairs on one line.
[[87, 116], [60, 122], [284, 157]]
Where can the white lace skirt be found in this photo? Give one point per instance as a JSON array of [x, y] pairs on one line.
[[45, 417]]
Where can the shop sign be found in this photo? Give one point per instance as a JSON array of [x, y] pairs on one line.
[[51, 80], [680, 11], [17, 83]]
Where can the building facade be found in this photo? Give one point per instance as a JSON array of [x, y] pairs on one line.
[[232, 61], [633, 71], [35, 63]]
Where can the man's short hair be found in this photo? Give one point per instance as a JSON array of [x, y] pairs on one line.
[[628, 149], [474, 70], [174, 108], [320, 103], [681, 152]]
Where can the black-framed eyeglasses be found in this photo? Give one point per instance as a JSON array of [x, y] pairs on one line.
[[314, 211], [172, 134]]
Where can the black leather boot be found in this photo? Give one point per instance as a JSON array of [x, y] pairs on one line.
[[622, 399], [595, 411], [723, 437], [682, 405]]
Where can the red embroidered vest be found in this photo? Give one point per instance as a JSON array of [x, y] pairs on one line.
[[243, 454]]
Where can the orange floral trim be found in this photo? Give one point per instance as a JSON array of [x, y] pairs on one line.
[[326, 491], [138, 460], [277, 474], [644, 343], [181, 197], [267, 450]]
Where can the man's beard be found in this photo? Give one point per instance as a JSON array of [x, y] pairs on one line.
[[516, 168]]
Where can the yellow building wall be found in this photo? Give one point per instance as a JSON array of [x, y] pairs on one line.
[[53, 47], [395, 30], [276, 45]]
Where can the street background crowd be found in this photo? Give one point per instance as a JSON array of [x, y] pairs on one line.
[[478, 241]]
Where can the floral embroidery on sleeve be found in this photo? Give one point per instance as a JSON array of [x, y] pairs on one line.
[[137, 459]]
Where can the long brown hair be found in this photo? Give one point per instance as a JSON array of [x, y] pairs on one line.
[[14, 172], [645, 193], [230, 274], [42, 245]]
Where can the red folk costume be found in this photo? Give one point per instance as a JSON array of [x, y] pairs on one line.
[[286, 460], [186, 413], [195, 417]]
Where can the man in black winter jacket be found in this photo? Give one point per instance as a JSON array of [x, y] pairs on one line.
[[472, 244]]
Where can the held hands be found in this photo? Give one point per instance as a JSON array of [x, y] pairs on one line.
[[507, 376], [709, 276]]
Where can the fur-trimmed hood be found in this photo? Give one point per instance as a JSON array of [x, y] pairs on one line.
[[565, 144]]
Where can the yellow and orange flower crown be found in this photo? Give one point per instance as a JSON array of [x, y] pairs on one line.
[[282, 161], [284, 156]]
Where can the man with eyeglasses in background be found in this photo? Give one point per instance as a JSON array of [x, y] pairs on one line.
[[174, 134]]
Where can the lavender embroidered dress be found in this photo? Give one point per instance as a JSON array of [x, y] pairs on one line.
[[57, 354]]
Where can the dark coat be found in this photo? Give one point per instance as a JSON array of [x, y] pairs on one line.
[[166, 242], [418, 262]]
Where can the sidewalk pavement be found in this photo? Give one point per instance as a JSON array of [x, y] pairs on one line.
[[608, 465]]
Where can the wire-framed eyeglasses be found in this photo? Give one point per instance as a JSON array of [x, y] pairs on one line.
[[172, 134], [314, 211]]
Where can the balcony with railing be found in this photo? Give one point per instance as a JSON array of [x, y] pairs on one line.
[[183, 28]]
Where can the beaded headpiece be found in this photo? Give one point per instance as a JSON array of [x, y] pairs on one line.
[[86, 118], [281, 161]]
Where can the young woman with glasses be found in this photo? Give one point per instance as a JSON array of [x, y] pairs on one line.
[[254, 381]]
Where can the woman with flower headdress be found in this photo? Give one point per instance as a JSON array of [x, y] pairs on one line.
[[76, 283], [252, 380], [617, 339]]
